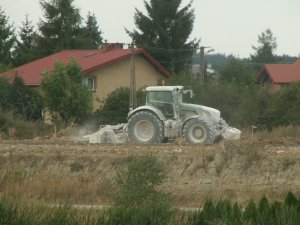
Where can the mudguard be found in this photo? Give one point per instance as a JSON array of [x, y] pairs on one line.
[[147, 108]]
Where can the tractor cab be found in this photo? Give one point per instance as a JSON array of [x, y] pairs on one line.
[[165, 98]]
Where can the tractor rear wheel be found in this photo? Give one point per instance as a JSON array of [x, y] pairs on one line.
[[145, 127], [199, 131]]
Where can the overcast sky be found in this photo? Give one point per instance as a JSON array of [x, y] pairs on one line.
[[228, 26]]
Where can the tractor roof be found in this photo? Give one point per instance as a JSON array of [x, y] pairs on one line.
[[164, 88]]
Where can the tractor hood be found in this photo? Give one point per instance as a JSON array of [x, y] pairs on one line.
[[203, 111]]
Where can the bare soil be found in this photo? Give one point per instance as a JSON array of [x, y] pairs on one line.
[[60, 170]]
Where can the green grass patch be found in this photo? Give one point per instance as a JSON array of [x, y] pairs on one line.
[[14, 212]]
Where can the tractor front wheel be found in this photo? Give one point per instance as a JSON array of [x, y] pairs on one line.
[[198, 131]]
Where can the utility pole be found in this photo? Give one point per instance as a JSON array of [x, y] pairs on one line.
[[202, 65], [132, 100]]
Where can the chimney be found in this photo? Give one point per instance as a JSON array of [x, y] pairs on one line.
[[110, 46]]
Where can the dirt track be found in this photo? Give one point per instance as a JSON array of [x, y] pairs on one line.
[[59, 170]]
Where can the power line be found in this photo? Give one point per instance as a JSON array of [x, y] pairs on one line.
[[169, 49]]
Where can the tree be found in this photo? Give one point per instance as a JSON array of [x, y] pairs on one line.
[[26, 48], [5, 88], [116, 106], [235, 71], [92, 36], [165, 31], [264, 53], [25, 101], [61, 28], [64, 93], [7, 40], [287, 105]]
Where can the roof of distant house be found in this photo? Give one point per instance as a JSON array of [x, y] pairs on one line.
[[89, 60], [281, 73]]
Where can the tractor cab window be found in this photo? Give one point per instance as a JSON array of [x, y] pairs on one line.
[[163, 101], [161, 96]]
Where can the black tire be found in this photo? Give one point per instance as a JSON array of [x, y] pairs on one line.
[[145, 127], [198, 131]]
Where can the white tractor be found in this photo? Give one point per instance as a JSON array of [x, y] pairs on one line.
[[164, 117]]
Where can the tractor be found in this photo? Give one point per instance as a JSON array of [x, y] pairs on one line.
[[164, 117]]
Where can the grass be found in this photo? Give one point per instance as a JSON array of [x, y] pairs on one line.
[[277, 134], [15, 212], [287, 163], [14, 127], [78, 186], [54, 189]]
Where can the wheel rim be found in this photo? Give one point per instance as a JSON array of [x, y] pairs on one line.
[[144, 130], [197, 134]]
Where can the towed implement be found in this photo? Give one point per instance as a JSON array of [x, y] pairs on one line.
[[165, 117]]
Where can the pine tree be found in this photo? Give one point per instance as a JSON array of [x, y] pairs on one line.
[[7, 40], [165, 31], [264, 53], [92, 36], [61, 27], [26, 49]]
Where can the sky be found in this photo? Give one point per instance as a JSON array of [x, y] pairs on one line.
[[227, 26]]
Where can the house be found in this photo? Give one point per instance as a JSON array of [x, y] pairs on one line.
[[278, 75], [104, 69]]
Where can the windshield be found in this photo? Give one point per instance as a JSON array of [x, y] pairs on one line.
[[160, 96]]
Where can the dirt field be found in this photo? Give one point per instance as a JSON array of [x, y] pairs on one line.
[[60, 170]]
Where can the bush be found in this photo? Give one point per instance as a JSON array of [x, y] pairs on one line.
[[291, 200], [287, 105], [136, 195], [25, 101], [223, 212], [116, 107], [14, 127], [20, 99], [5, 88]]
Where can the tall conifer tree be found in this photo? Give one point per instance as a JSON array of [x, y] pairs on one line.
[[92, 36], [264, 52], [60, 28], [26, 48], [7, 40], [164, 31]]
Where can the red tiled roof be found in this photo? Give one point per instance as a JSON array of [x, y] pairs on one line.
[[89, 60], [282, 73]]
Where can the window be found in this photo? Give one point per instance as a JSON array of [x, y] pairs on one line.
[[161, 96], [162, 100], [89, 82]]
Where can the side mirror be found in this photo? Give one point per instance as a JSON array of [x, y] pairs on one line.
[[190, 92]]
